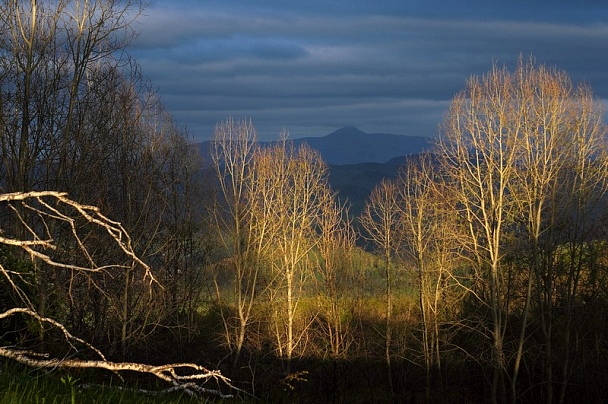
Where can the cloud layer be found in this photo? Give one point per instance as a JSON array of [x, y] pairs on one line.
[[383, 66]]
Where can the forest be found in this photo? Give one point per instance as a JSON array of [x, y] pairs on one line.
[[478, 274]]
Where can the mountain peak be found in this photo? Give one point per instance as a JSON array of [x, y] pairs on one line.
[[347, 132], [350, 145]]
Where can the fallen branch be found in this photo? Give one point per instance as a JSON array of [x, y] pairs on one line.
[[167, 373]]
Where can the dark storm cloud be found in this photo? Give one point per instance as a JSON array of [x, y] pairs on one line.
[[384, 66]]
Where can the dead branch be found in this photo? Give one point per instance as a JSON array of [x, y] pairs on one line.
[[91, 214]]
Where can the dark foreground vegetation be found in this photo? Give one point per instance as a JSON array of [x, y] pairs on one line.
[[477, 274], [24, 385]]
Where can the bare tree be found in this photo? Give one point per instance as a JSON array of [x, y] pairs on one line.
[[431, 245], [382, 222], [561, 178], [292, 183], [479, 146], [242, 226], [49, 53], [175, 236], [336, 243], [524, 154], [87, 226]]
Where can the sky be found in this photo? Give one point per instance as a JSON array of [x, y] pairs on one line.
[[385, 66]]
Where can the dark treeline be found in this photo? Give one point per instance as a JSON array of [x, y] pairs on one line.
[[477, 275]]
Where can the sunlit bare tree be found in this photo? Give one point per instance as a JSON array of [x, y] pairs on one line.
[[242, 225], [561, 179], [336, 245], [523, 152], [293, 182], [480, 147]]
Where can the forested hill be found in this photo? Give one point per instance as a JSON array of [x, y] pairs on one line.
[[350, 145], [352, 182]]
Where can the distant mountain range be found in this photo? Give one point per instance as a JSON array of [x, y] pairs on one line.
[[350, 145], [357, 160]]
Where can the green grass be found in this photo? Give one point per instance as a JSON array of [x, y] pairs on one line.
[[19, 385]]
